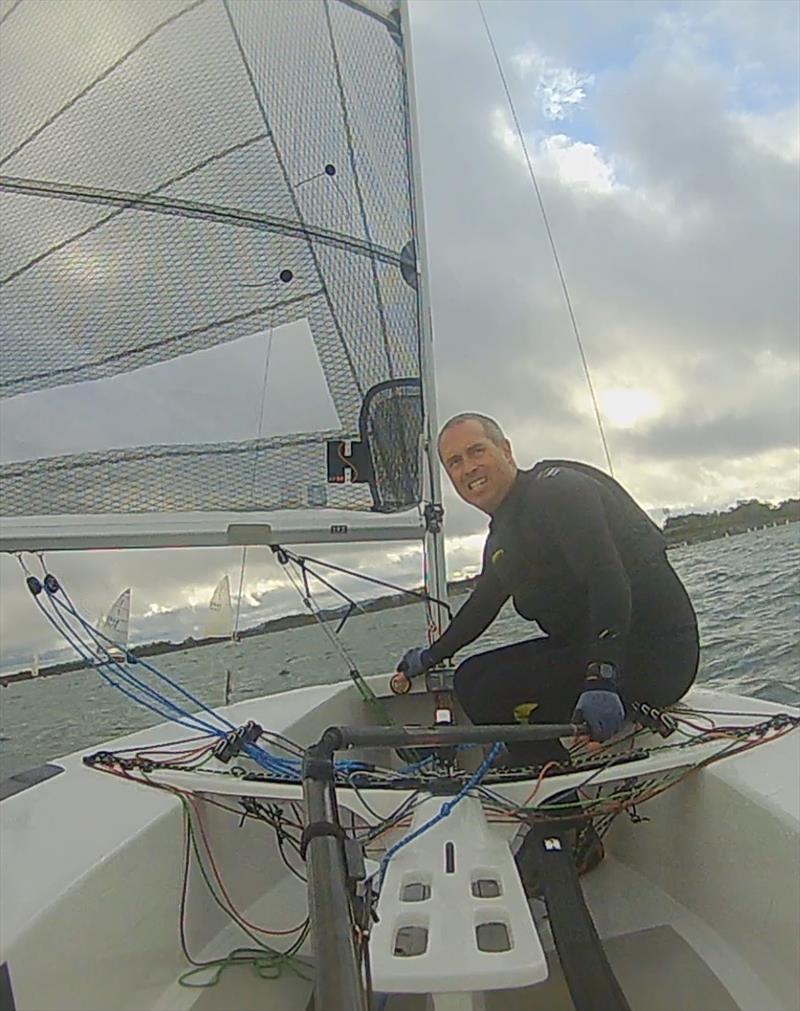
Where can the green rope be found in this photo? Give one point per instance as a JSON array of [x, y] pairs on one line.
[[265, 967], [267, 963]]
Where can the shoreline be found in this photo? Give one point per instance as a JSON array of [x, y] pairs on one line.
[[729, 530]]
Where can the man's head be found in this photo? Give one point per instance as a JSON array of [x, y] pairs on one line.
[[478, 459]]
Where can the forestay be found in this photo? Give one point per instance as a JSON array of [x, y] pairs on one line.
[[208, 273]]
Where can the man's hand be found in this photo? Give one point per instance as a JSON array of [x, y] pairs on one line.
[[415, 661], [599, 704]]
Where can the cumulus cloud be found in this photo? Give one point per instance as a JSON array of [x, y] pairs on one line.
[[572, 162], [559, 90], [778, 133]]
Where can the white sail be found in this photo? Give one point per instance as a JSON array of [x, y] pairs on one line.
[[35, 666], [220, 614], [114, 625], [292, 305]]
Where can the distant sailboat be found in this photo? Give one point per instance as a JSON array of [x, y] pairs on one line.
[[113, 628], [219, 624], [35, 666]]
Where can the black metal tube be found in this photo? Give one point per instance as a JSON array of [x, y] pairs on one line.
[[409, 737], [337, 979]]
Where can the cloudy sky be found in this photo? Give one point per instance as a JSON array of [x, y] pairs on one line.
[[666, 141]]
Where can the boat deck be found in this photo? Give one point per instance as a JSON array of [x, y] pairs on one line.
[[697, 908], [664, 957], [657, 968]]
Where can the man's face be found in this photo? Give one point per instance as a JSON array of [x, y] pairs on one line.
[[481, 472]]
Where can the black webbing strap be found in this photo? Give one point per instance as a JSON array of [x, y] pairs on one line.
[[6, 993], [591, 980], [318, 828]]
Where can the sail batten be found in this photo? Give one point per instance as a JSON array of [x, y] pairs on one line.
[[233, 216], [182, 177]]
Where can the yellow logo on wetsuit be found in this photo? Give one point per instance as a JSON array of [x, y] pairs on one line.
[[497, 555], [523, 711]]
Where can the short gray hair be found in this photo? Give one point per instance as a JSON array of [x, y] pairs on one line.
[[491, 429]]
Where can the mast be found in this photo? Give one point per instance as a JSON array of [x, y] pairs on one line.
[[435, 570]]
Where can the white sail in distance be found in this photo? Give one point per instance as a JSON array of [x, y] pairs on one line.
[[219, 623], [114, 625]]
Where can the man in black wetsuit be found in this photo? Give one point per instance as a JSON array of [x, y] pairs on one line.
[[577, 555]]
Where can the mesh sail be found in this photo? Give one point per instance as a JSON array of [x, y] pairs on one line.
[[207, 274]]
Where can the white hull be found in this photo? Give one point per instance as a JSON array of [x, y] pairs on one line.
[[698, 907]]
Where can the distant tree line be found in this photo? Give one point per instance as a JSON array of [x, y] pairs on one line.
[[745, 515]]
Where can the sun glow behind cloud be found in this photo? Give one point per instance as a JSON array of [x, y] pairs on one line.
[[627, 407]]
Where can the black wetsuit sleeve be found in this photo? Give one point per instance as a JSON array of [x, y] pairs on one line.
[[473, 618], [570, 507]]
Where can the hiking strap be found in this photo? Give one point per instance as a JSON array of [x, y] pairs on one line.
[[591, 980]]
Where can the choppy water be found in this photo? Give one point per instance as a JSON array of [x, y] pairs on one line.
[[746, 591]]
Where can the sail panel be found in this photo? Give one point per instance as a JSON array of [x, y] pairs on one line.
[[183, 175], [197, 478], [115, 304]]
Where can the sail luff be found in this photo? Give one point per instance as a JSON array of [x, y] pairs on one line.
[[436, 570]]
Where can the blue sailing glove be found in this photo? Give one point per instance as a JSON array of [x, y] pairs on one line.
[[415, 661], [599, 704]]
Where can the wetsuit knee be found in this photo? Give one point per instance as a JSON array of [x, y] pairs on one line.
[[660, 671], [469, 683]]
